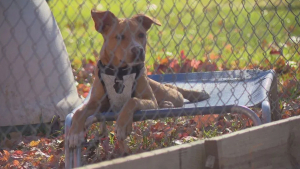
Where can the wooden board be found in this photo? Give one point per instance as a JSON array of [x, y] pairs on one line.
[[189, 156], [269, 146], [273, 145]]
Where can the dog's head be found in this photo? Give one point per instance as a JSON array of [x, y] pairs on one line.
[[125, 39]]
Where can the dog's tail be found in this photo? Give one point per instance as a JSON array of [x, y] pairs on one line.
[[191, 95]]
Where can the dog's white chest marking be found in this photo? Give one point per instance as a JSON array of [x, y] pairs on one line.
[[117, 100]]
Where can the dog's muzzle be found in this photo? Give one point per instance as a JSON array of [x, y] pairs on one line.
[[138, 53]]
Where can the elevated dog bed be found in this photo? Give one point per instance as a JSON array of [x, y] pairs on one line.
[[230, 91]]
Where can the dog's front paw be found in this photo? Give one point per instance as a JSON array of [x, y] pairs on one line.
[[75, 137], [123, 131]]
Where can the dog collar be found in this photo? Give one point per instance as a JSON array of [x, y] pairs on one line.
[[118, 74]]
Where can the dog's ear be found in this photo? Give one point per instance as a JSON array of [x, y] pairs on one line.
[[103, 20], [146, 21]]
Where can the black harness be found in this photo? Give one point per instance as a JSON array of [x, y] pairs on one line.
[[118, 74]]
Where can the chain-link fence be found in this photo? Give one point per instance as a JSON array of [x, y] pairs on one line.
[[113, 61]]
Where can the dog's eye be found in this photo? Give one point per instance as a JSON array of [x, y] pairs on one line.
[[120, 37], [141, 35]]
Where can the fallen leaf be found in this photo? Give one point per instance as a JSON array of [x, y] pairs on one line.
[[34, 143], [275, 52], [182, 55], [213, 56], [16, 163], [228, 48], [77, 63], [18, 154], [264, 43], [181, 135], [164, 61], [195, 63], [161, 69], [210, 36], [280, 64], [85, 94], [205, 120], [52, 160], [220, 23], [174, 65], [158, 136], [159, 126], [4, 157]]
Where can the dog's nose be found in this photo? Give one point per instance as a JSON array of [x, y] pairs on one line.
[[138, 52]]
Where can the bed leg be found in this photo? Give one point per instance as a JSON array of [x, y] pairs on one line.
[[266, 112], [251, 114], [72, 155]]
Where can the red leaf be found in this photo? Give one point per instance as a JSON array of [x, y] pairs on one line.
[[284, 116], [195, 63], [175, 65], [186, 66], [159, 126], [162, 69], [280, 64], [158, 136], [182, 135], [210, 66], [203, 121], [182, 55], [85, 94], [17, 154], [275, 52], [86, 88]]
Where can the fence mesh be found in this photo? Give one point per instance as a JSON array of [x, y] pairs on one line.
[[42, 64]]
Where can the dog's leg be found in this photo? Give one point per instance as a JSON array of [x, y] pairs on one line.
[[76, 133], [166, 93], [144, 99], [126, 115], [124, 121], [98, 102], [166, 97], [191, 95]]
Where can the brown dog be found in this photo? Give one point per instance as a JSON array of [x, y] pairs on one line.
[[124, 51]]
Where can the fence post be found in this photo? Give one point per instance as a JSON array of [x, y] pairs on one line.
[[36, 79]]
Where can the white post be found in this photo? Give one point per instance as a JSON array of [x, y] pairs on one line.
[[36, 80]]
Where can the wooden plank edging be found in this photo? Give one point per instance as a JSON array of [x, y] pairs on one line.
[[189, 155], [272, 145], [269, 146]]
